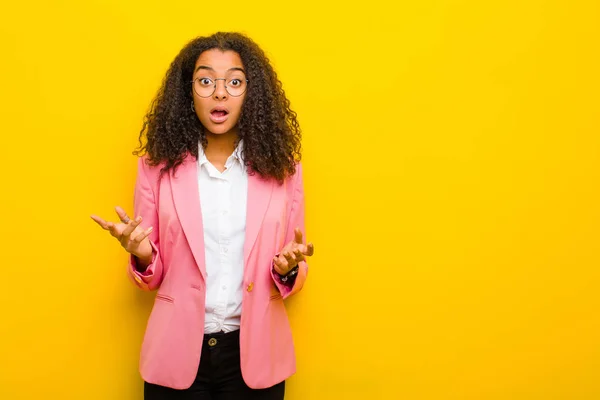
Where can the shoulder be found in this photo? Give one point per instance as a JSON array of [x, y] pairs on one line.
[[154, 169], [145, 167], [297, 175], [147, 171], [294, 182]]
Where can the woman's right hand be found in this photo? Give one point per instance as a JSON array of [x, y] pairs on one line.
[[132, 237]]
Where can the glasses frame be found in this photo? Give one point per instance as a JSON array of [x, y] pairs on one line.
[[215, 86]]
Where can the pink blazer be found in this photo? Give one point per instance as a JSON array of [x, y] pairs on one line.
[[173, 340]]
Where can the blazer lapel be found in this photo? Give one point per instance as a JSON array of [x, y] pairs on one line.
[[259, 197], [184, 186]]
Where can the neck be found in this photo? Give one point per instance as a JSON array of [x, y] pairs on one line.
[[221, 145]]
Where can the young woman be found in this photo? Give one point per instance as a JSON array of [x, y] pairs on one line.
[[219, 226]]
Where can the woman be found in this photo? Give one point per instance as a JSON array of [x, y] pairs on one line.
[[219, 229]]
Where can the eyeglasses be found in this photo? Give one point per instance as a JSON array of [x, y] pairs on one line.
[[206, 87]]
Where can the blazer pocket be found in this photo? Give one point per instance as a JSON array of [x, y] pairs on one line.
[[164, 297]]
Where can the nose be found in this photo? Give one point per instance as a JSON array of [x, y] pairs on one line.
[[220, 91]]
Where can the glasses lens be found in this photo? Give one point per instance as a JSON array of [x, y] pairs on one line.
[[204, 87], [236, 86]]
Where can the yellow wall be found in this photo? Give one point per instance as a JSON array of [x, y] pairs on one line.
[[451, 166]]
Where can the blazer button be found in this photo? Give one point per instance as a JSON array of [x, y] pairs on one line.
[[250, 286]]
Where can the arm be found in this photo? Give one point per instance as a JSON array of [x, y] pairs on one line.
[[295, 219], [146, 276]]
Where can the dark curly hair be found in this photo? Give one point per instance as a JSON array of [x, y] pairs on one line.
[[267, 124]]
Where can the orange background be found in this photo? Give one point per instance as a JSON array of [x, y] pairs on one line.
[[451, 174]]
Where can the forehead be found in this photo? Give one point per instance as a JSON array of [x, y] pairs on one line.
[[220, 61]]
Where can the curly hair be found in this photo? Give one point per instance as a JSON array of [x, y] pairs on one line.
[[267, 125]]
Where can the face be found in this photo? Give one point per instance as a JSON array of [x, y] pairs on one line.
[[219, 112]]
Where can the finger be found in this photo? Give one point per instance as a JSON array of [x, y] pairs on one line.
[[281, 265], [290, 258], [278, 268], [100, 221], [122, 215], [298, 255], [310, 250], [298, 236], [141, 236], [131, 226], [112, 228], [307, 250]]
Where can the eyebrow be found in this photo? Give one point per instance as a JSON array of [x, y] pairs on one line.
[[212, 69]]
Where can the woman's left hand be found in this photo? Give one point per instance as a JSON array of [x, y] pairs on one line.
[[292, 253]]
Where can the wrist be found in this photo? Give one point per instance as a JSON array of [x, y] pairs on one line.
[[288, 276], [142, 261]]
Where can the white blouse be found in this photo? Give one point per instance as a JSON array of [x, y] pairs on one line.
[[223, 200]]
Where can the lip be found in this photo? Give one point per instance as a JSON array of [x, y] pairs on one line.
[[220, 108], [216, 119]]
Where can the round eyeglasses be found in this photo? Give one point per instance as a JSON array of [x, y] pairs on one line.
[[206, 87]]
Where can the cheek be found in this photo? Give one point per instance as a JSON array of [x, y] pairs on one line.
[[237, 103], [202, 109], [202, 105]]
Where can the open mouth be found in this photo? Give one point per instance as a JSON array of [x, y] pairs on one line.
[[219, 115]]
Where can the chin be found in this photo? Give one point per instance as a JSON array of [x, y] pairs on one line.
[[218, 129]]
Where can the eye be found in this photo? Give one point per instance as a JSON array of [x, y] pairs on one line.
[[205, 81], [235, 82]]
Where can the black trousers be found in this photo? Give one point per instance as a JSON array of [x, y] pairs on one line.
[[219, 375]]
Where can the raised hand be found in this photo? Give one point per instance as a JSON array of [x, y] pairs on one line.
[[133, 238], [292, 253]]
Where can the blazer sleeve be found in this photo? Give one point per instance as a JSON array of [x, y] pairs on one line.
[[145, 205], [295, 219]]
